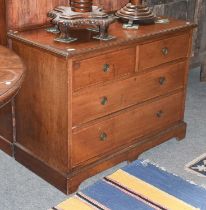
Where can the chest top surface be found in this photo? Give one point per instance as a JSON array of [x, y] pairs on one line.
[[42, 39]]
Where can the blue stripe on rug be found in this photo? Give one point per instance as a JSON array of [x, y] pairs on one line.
[[173, 185], [113, 198]]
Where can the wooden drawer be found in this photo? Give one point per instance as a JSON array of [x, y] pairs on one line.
[[165, 50], [94, 103], [103, 68], [102, 137]]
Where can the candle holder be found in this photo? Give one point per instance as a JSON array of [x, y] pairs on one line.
[[80, 13], [135, 13]]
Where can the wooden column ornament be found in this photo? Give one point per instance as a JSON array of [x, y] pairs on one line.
[[81, 5], [136, 2], [136, 12]]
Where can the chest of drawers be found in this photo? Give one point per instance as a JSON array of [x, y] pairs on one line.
[[89, 105]]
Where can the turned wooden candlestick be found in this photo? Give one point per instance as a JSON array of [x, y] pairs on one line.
[[81, 5]]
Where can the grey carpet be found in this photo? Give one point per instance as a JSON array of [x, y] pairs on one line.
[[20, 189]]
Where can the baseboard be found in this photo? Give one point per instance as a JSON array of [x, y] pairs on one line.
[[40, 168], [6, 146]]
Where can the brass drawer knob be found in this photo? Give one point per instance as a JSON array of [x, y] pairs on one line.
[[162, 80], [165, 51], [160, 114], [103, 136], [106, 67], [104, 101]]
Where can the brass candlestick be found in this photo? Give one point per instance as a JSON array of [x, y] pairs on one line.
[[135, 13], [80, 13]]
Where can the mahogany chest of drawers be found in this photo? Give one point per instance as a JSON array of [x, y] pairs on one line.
[[88, 105]]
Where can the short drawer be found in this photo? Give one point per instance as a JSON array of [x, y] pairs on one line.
[[103, 137], [103, 68], [95, 103], [165, 50]]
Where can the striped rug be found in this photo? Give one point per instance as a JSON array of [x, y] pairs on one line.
[[138, 186]]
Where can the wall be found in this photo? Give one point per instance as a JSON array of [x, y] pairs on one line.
[[2, 23], [28, 13]]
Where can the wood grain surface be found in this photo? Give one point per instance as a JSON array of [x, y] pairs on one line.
[[125, 128], [89, 104], [163, 51], [103, 68], [111, 5], [44, 91], [86, 45], [29, 13], [11, 74], [3, 27]]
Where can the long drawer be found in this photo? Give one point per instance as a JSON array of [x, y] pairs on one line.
[[103, 68], [163, 51], [97, 102], [102, 137]]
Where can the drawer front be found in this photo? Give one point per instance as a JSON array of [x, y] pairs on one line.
[[95, 103], [103, 68], [102, 137], [158, 52]]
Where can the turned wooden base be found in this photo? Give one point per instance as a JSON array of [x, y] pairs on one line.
[[69, 183]]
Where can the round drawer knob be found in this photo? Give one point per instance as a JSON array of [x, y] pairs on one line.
[[106, 67], [103, 136], [159, 114], [162, 80], [165, 51], [104, 100]]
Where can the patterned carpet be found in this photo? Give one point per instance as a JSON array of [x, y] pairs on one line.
[[138, 186]]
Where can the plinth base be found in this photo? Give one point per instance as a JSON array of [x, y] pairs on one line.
[[65, 19]]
